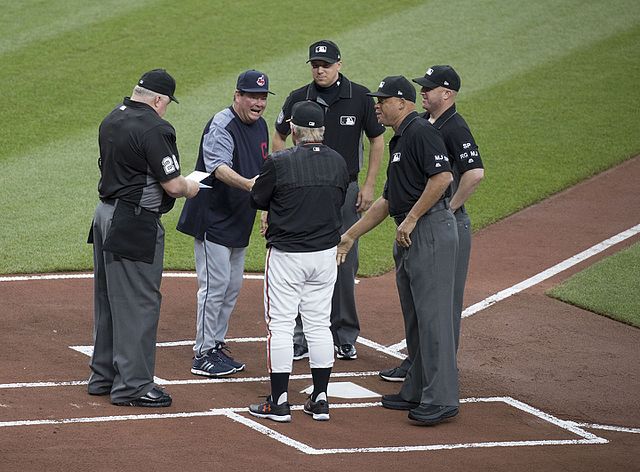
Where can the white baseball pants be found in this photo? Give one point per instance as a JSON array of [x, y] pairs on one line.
[[299, 282]]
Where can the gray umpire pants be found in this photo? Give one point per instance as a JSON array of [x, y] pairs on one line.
[[462, 265], [219, 270], [345, 326], [425, 278], [126, 314]]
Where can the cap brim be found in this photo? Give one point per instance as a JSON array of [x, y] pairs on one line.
[[328, 60], [174, 99], [381, 95], [256, 90], [426, 82]]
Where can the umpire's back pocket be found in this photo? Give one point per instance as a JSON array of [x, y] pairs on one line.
[[132, 234]]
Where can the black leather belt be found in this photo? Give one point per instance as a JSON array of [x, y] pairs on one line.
[[439, 205]]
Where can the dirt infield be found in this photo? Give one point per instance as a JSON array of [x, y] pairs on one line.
[[546, 386]]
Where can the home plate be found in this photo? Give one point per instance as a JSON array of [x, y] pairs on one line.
[[345, 390]]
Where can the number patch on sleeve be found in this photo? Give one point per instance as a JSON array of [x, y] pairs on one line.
[[170, 164]]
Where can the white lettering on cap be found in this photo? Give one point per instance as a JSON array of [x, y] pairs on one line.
[[321, 48], [429, 71], [399, 92], [446, 83]]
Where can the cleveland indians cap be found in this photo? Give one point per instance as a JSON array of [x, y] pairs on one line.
[[159, 81], [395, 86], [307, 114], [440, 76], [253, 81], [324, 50]]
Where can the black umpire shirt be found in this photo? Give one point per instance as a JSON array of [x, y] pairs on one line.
[[303, 188], [348, 112], [461, 147], [416, 152], [137, 151]]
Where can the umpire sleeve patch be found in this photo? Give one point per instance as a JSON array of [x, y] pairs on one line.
[[170, 164]]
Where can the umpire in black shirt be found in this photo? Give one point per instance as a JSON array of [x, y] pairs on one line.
[[140, 180], [416, 196]]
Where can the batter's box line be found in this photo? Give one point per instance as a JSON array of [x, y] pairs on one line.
[[587, 438]]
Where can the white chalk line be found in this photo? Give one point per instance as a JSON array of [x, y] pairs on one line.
[[234, 414], [618, 429], [542, 276]]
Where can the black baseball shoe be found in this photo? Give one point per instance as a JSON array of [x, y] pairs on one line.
[[319, 410], [396, 402], [395, 374], [156, 397], [429, 415], [300, 352], [223, 352], [280, 413], [346, 352]]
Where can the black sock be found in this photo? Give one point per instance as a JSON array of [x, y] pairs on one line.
[[320, 381], [279, 385]]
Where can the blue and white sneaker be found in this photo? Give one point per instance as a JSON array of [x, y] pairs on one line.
[[211, 364], [222, 350]]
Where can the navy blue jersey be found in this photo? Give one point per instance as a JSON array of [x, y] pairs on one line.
[[223, 214]]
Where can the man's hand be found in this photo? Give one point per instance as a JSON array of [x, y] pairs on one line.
[[346, 242], [263, 222], [403, 233], [192, 188], [365, 198]]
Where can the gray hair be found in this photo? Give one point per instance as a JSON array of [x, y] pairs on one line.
[[145, 94], [307, 135]]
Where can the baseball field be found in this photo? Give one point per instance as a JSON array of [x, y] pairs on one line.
[[550, 91]]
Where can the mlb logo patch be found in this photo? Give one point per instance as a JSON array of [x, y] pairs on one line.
[[396, 157], [429, 71], [348, 120], [321, 48]]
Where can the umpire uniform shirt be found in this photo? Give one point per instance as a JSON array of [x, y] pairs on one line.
[[137, 152], [346, 116], [425, 270], [303, 189], [461, 146]]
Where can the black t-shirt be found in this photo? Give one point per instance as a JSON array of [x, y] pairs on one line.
[[137, 151], [416, 152], [346, 117], [461, 146], [303, 188]]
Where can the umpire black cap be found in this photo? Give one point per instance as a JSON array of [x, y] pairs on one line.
[[440, 76], [395, 86], [159, 81], [324, 50]]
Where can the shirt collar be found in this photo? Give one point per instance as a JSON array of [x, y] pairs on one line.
[[406, 122], [446, 116], [344, 84]]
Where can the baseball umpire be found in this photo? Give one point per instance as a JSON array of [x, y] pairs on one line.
[[233, 147], [349, 113], [303, 189], [415, 195], [140, 180], [440, 87]]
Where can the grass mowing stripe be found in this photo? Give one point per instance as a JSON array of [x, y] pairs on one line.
[[28, 21], [609, 287]]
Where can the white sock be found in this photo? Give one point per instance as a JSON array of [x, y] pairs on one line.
[[282, 399]]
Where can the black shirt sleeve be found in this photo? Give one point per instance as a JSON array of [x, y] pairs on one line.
[[463, 149], [282, 125], [264, 186], [161, 152], [432, 151]]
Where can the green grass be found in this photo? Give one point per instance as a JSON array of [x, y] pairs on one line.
[[549, 90], [609, 287]]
